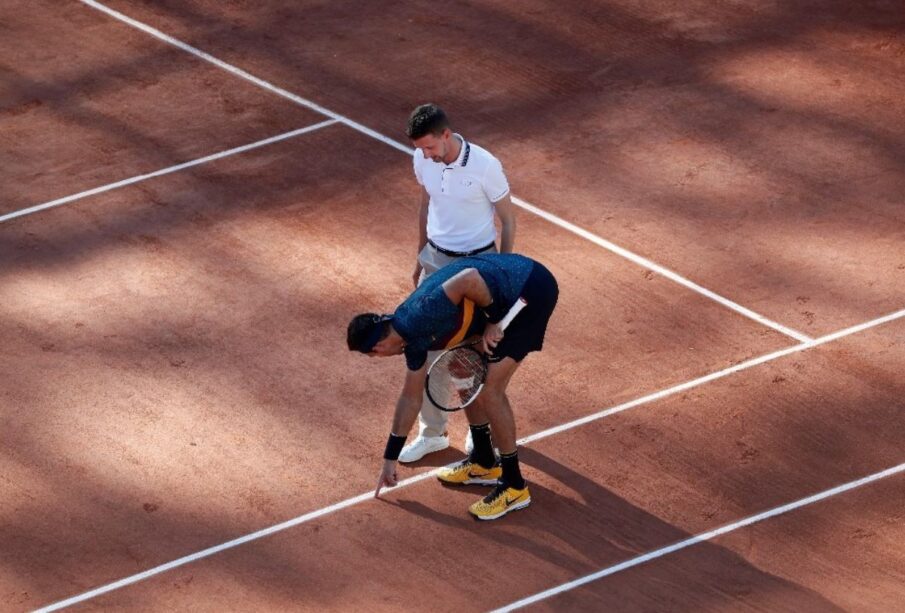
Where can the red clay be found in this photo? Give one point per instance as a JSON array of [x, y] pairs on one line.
[[90, 102], [174, 372], [225, 348], [614, 489], [750, 147]]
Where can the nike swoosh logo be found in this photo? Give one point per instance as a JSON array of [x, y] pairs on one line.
[[511, 501], [471, 475]]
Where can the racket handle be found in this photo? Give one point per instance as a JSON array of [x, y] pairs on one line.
[[513, 311]]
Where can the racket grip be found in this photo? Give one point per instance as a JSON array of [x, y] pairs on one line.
[[513, 311]]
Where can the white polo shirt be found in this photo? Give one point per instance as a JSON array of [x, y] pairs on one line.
[[462, 195]]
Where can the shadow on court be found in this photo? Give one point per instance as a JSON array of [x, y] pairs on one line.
[[96, 497], [602, 530], [649, 128]]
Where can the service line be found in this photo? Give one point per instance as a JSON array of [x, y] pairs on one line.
[[165, 171], [349, 502], [279, 91]]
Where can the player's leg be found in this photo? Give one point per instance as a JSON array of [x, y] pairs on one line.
[[484, 425], [511, 492], [495, 405], [482, 452], [480, 467]]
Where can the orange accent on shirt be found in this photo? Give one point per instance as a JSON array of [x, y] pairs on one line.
[[467, 317]]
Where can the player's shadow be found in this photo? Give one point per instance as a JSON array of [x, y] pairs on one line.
[[595, 529]]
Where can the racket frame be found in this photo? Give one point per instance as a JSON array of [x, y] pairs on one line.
[[514, 310]]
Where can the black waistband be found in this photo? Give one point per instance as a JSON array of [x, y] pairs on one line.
[[461, 254]]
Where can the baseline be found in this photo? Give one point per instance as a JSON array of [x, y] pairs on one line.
[[126, 581]]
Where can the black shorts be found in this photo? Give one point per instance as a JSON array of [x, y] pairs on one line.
[[526, 332]]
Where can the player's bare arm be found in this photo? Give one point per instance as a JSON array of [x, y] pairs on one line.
[[493, 334], [505, 210], [422, 232], [409, 402], [468, 284], [407, 407]]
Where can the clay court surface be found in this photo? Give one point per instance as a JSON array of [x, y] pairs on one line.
[[174, 373]]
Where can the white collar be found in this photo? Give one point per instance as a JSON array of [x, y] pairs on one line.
[[464, 152]]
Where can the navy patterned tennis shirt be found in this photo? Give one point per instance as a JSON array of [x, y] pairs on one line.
[[428, 319]]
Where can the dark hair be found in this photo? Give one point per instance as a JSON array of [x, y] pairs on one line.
[[426, 119], [366, 330]]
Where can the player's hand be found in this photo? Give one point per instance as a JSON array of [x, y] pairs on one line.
[[493, 334], [387, 477], [416, 276]]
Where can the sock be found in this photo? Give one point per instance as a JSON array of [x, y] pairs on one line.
[[512, 475], [482, 453]]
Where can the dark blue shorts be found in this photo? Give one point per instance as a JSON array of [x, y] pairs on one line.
[[526, 332]]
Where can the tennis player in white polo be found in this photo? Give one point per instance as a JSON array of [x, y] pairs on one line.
[[462, 186]]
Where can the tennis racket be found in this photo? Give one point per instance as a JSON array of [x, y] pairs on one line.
[[457, 376]]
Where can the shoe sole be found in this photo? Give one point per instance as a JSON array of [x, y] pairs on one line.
[[515, 507], [470, 482]]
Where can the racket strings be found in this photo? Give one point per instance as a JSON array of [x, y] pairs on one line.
[[456, 378]]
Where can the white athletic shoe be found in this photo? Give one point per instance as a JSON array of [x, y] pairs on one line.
[[421, 446]]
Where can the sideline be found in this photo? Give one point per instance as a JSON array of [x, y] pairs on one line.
[[242, 74]]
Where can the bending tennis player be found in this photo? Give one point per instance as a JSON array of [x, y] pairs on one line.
[[467, 298]]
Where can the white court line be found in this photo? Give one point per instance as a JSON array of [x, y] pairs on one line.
[[396, 145], [165, 171], [713, 376], [642, 261], [279, 91], [421, 477], [694, 540]]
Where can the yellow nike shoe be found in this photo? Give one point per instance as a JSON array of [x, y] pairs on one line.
[[467, 472], [501, 500]]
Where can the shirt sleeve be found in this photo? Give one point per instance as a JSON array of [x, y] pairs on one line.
[[494, 183], [422, 320], [417, 161]]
